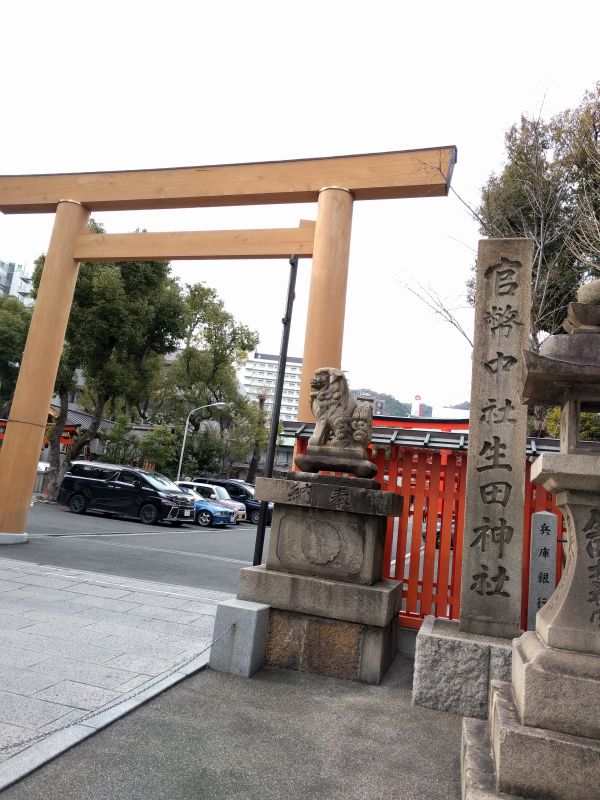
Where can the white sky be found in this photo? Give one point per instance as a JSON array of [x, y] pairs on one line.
[[128, 85]]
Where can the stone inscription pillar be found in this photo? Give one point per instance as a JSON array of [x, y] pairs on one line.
[[29, 411], [493, 534], [327, 298]]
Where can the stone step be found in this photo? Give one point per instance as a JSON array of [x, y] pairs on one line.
[[478, 776], [539, 762]]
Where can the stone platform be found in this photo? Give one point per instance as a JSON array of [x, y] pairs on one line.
[[453, 669], [543, 736], [556, 689], [329, 611], [523, 762], [538, 762], [338, 629], [330, 647]]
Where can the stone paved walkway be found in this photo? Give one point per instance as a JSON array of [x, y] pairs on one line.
[[73, 644]]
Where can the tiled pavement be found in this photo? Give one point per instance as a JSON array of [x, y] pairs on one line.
[[78, 649]]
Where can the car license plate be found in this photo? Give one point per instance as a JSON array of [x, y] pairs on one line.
[[187, 513]]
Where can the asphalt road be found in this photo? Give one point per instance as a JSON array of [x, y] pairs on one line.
[[206, 558]]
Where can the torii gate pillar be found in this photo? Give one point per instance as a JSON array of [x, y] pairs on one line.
[[327, 299], [24, 434]]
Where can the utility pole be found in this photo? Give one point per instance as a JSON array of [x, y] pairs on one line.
[[270, 459]]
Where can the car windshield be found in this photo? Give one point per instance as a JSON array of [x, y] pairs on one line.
[[161, 482], [193, 492], [205, 491], [222, 492]]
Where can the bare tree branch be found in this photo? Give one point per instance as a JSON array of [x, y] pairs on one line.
[[435, 303]]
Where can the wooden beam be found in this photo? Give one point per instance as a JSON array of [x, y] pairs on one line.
[[270, 243], [376, 176]]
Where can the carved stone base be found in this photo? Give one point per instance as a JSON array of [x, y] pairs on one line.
[[537, 762], [336, 459], [329, 611], [329, 647], [453, 669], [349, 602], [556, 689], [332, 529]]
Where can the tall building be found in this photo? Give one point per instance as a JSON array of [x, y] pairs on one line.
[[14, 282], [260, 375]]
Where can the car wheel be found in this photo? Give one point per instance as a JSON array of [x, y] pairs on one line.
[[254, 517], [78, 504], [148, 514], [204, 518]]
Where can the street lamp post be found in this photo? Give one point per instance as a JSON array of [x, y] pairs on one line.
[[185, 430]]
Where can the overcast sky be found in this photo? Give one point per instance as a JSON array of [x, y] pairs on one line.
[[134, 85]]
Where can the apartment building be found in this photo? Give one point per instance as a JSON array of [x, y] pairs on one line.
[[260, 376], [14, 282]]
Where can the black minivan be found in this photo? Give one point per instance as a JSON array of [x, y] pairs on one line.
[[125, 492]]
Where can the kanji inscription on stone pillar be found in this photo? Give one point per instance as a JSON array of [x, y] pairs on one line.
[[542, 563], [493, 533]]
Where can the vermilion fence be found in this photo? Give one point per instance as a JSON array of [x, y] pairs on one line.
[[423, 547]]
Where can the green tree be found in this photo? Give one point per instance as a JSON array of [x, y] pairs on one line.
[[548, 191], [121, 445], [259, 434], [124, 315], [14, 326], [160, 447], [589, 425], [204, 372], [204, 453]]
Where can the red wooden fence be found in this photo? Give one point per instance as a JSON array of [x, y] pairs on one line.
[[423, 547]]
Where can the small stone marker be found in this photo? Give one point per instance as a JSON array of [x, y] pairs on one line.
[[493, 536], [542, 566], [239, 637]]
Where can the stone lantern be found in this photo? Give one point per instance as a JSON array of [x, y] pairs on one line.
[[545, 726]]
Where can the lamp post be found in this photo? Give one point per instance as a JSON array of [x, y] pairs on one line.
[[185, 430]]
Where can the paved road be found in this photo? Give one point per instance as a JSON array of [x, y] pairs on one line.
[[208, 558]]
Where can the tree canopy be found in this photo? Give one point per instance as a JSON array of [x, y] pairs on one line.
[[125, 319], [14, 325], [549, 191]]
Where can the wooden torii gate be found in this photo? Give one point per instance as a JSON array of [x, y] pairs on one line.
[[332, 182]]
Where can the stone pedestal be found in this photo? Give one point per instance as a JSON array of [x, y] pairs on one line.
[[556, 689], [544, 728], [539, 762], [453, 669], [330, 612]]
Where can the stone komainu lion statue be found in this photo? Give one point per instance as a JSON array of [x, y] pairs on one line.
[[337, 412]]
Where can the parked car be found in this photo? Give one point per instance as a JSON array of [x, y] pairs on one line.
[[209, 512], [241, 491], [125, 492], [219, 495]]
